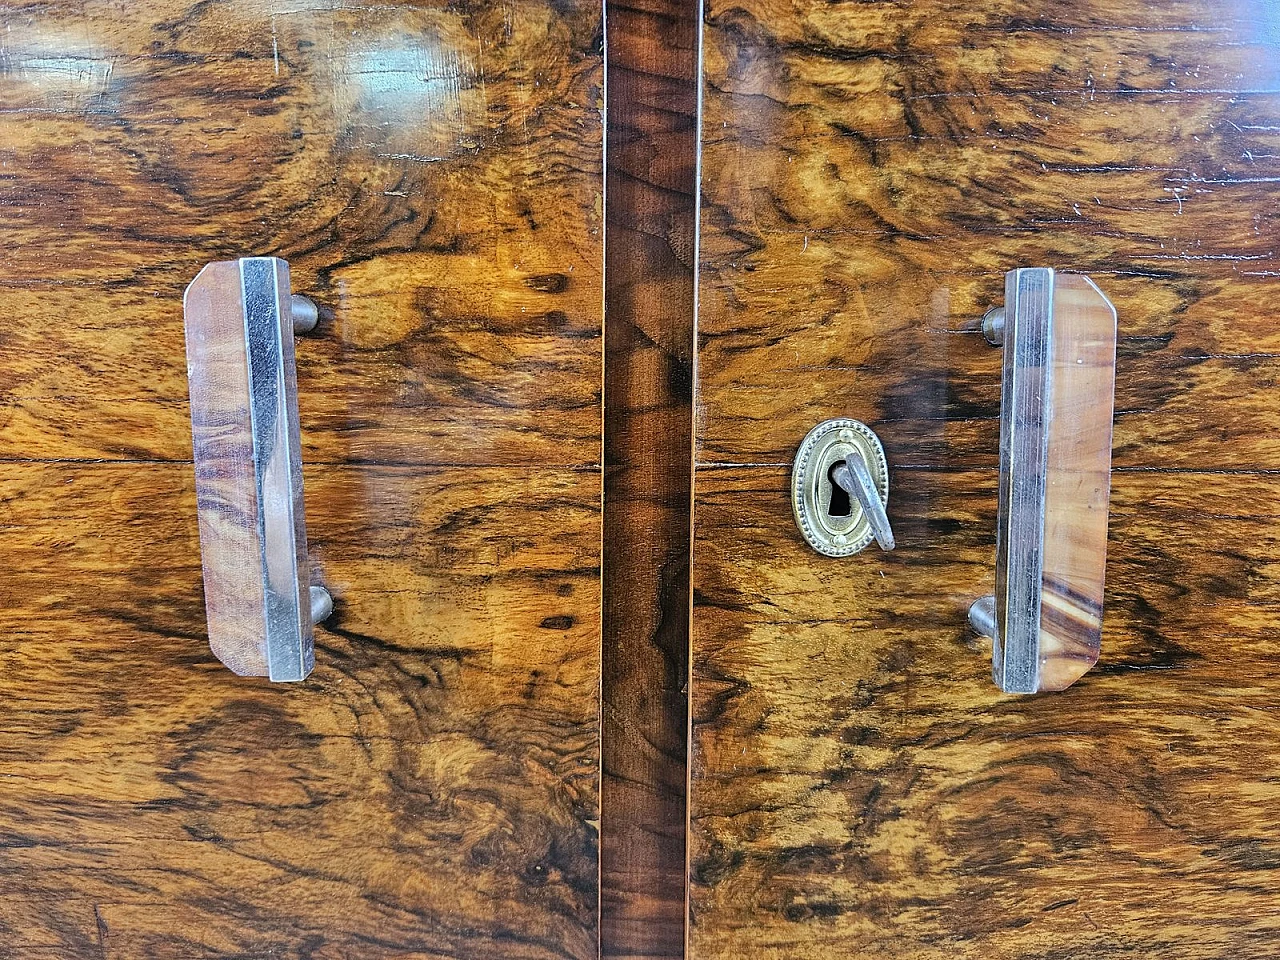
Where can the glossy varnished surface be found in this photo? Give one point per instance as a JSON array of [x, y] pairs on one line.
[[649, 421], [430, 790], [870, 171], [432, 173]]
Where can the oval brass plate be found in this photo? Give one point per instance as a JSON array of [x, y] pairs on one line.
[[812, 491]]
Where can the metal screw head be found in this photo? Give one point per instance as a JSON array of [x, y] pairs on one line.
[[982, 616], [305, 313], [321, 604], [993, 326]]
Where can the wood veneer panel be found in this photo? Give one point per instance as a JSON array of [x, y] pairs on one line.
[[430, 362], [859, 787], [944, 409], [650, 214], [1167, 594], [432, 787], [434, 175]]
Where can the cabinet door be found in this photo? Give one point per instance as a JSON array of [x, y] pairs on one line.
[[432, 172], [870, 172]]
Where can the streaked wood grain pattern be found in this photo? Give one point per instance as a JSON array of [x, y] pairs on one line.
[[1208, 589], [651, 215], [895, 183], [433, 174], [432, 788], [859, 786]]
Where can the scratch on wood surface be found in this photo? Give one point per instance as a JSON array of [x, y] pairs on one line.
[[102, 930]]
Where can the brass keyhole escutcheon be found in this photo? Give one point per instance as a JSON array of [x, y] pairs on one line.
[[839, 489]]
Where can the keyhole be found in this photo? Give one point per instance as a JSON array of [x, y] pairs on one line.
[[839, 505]]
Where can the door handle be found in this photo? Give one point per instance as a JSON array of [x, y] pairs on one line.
[[1057, 400], [240, 318]]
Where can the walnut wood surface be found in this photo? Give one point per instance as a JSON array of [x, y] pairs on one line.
[[859, 787], [429, 792], [433, 174], [650, 216]]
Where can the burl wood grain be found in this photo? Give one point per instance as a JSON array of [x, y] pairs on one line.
[[433, 174], [859, 787], [650, 216]]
